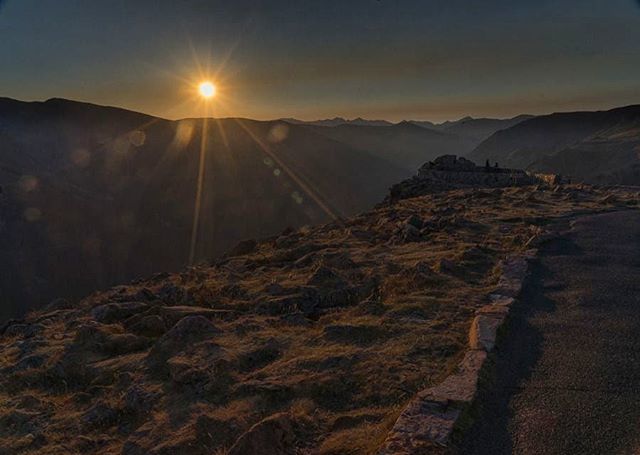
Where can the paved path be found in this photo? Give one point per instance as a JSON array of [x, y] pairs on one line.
[[568, 373]]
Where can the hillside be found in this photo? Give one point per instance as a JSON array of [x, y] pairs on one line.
[[598, 147], [274, 348], [479, 129], [92, 195], [404, 144]]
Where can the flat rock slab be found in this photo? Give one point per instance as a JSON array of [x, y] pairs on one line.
[[484, 330], [423, 425]]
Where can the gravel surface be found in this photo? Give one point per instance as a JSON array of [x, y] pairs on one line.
[[567, 379]]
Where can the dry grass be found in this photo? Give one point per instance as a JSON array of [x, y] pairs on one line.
[[336, 326]]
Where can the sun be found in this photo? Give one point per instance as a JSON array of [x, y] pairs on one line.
[[207, 89]]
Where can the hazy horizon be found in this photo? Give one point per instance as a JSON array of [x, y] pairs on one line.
[[329, 117]]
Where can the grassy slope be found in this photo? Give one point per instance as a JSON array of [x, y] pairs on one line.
[[335, 326]]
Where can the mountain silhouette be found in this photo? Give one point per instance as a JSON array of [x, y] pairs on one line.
[[95, 195], [598, 147]]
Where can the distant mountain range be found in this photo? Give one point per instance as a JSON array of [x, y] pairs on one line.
[[468, 127], [91, 195], [336, 121], [479, 129], [409, 143], [404, 144], [595, 147]]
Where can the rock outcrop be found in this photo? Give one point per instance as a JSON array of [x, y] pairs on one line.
[[449, 172]]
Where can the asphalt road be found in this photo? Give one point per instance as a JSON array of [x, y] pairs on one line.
[[566, 379]]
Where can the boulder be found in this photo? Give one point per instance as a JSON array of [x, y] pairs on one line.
[[183, 335], [325, 277], [175, 295], [114, 312], [99, 415], [273, 435], [119, 344], [414, 221], [173, 314], [446, 266], [138, 400], [150, 326], [410, 233], [243, 247]]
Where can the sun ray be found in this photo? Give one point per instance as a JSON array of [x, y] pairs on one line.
[[300, 181], [195, 226]]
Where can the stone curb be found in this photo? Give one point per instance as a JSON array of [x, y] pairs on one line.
[[431, 416]]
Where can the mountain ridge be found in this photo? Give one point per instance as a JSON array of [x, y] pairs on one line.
[[534, 143]]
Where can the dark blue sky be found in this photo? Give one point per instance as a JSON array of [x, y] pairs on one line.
[[426, 59]]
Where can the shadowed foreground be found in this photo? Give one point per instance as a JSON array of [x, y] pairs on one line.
[[310, 342], [568, 372]]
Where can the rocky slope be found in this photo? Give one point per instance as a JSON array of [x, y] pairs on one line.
[[311, 341]]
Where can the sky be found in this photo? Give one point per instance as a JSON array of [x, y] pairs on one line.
[[380, 59]]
